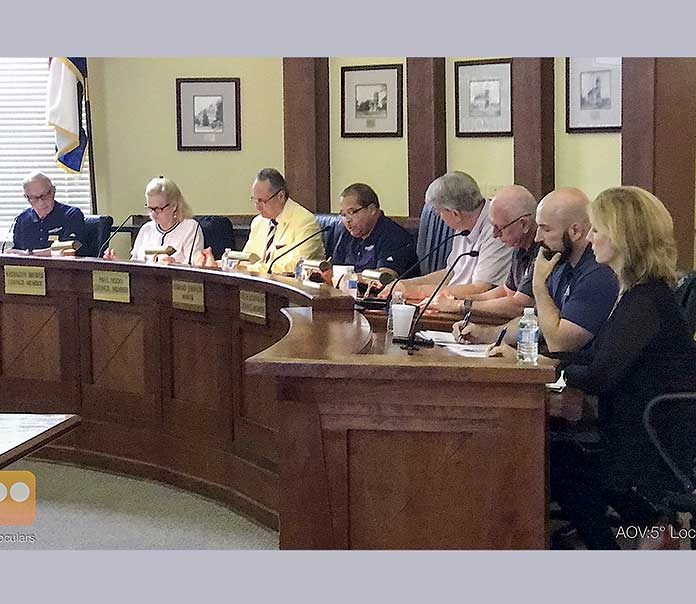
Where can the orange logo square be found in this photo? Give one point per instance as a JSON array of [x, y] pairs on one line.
[[17, 497]]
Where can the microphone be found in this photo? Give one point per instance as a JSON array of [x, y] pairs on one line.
[[193, 243], [413, 267], [118, 229], [294, 247], [10, 232], [410, 341]]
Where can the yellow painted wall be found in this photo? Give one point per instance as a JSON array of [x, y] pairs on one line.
[[382, 163], [591, 162], [489, 160], [134, 122]]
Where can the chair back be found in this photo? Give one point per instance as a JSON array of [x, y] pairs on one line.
[[218, 233], [431, 232], [686, 298], [330, 237], [670, 422], [97, 231]]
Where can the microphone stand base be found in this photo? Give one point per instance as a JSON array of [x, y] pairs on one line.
[[412, 344]]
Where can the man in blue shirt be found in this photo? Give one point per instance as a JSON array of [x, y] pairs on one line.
[[573, 293], [46, 220], [367, 239]]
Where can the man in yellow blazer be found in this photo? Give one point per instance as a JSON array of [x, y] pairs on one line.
[[280, 224]]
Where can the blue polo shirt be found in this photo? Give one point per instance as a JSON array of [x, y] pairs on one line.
[[585, 294], [64, 222], [389, 245]]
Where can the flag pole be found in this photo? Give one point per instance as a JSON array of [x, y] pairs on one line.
[[90, 149]]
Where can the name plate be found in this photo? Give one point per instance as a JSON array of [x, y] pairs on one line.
[[188, 296], [252, 306], [25, 280], [111, 286]]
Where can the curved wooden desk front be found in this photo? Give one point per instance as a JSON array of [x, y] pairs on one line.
[[380, 449], [162, 391]]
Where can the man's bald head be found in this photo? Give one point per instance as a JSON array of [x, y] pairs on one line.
[[514, 201], [565, 206]]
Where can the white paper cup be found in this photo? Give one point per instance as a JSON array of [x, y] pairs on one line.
[[403, 317], [339, 270]]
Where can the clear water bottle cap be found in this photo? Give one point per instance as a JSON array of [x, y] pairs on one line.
[[528, 311]]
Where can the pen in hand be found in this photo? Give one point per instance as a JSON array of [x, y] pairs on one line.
[[501, 335], [460, 337]]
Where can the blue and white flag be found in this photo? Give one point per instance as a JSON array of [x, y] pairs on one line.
[[66, 85]]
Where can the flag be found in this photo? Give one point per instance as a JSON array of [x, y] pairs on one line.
[[66, 85]]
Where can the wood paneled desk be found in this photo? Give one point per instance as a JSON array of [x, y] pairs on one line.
[[352, 442], [23, 433], [380, 449]]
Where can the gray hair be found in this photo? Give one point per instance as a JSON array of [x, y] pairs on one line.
[[275, 178], [454, 191], [36, 177]]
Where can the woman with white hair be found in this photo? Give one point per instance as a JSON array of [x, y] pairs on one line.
[[172, 224]]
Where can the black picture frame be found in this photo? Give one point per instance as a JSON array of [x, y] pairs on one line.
[[219, 132], [580, 120], [471, 119], [372, 121]]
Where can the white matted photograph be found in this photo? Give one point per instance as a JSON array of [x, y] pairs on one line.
[[593, 94], [483, 98], [208, 114], [372, 101]]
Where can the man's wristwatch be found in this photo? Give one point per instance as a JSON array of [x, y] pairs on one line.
[[465, 306]]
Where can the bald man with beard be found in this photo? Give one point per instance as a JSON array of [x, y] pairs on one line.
[[512, 214], [574, 294]]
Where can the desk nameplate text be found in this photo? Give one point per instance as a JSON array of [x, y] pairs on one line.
[[25, 280], [111, 286], [187, 295], [252, 306]]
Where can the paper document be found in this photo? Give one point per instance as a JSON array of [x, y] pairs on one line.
[[441, 338], [468, 350]]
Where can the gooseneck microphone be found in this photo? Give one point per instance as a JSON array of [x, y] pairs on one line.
[[118, 229], [294, 247], [10, 232], [409, 342]]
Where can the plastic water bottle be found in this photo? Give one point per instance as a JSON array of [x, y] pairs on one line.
[[351, 282], [397, 298], [298, 268], [528, 338]]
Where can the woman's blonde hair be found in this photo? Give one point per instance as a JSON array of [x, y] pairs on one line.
[[172, 194], [641, 230]]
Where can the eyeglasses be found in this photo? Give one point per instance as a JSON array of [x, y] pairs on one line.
[[498, 231], [42, 197], [157, 209], [261, 201], [348, 214]]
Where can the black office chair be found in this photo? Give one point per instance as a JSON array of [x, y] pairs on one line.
[[330, 237], [97, 231], [685, 294], [218, 233], [670, 422], [432, 230]]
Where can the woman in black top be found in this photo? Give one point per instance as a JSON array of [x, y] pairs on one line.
[[643, 350]]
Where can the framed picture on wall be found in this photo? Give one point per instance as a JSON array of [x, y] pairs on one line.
[[372, 101], [207, 114], [593, 94], [483, 98]]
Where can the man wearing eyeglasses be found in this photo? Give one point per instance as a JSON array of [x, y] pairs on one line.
[[280, 224], [46, 220], [512, 216], [367, 239]]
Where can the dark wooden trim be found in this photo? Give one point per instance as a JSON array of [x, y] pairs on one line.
[[659, 139], [399, 101], [459, 134], [534, 136], [306, 130], [427, 127]]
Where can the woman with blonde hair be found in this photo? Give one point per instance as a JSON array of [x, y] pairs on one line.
[[643, 350], [172, 224]]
